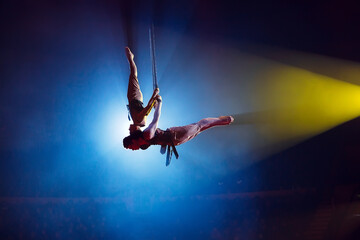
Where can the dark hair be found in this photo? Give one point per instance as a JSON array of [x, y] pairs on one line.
[[127, 141], [145, 146]]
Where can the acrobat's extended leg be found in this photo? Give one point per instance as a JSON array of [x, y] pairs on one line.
[[188, 132], [212, 122], [130, 58], [134, 91]]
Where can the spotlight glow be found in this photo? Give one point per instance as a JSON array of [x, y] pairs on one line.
[[111, 128]]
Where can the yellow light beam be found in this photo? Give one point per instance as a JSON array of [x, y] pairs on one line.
[[299, 104]]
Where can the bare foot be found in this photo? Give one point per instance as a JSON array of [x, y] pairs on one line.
[[232, 119], [227, 119], [129, 54]]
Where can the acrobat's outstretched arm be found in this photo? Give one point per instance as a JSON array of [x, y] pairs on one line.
[[149, 132]]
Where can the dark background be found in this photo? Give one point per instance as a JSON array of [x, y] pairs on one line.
[[63, 116]]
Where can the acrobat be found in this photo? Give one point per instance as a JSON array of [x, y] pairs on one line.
[[152, 135], [137, 111]]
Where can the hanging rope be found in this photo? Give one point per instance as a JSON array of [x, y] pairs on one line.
[[153, 62], [170, 149], [152, 55]]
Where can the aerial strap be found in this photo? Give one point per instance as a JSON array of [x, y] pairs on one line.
[[170, 150], [129, 115]]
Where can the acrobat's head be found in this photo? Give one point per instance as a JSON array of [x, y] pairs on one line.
[[135, 142]]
